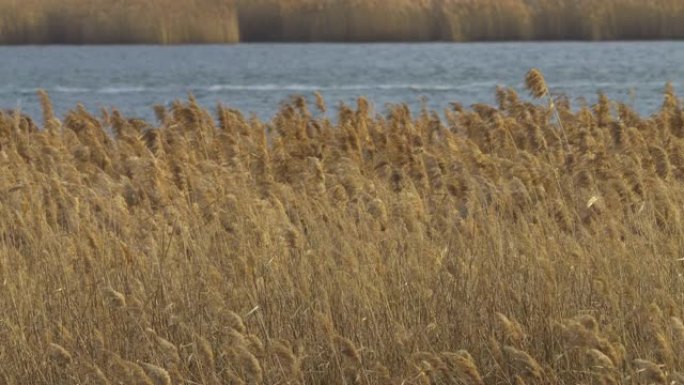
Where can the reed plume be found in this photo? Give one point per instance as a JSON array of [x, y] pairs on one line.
[[536, 84]]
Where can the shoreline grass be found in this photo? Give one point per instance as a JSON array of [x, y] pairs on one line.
[[122, 22], [233, 21]]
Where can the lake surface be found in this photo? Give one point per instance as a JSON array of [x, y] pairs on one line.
[[258, 77]]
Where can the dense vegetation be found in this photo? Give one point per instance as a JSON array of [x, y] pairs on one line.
[[521, 243], [460, 20], [229, 21], [119, 21]]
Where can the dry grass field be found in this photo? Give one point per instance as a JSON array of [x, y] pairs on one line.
[[493, 246], [230, 21]]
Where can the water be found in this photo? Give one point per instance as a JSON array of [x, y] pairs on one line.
[[256, 78]]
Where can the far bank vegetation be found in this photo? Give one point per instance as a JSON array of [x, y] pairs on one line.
[[232, 21]]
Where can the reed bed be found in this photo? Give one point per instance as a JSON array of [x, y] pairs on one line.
[[231, 21], [120, 21], [459, 20], [491, 246]]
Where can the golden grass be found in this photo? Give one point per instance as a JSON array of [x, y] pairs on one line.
[[230, 21], [121, 21], [475, 249], [459, 20]]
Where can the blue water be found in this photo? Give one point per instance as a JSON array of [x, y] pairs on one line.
[[256, 78]]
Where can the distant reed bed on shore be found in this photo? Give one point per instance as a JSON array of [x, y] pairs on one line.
[[232, 21], [117, 22], [460, 20]]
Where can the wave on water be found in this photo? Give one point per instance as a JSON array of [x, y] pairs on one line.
[[69, 90], [342, 87], [258, 87], [180, 90], [123, 90], [80, 90], [218, 88]]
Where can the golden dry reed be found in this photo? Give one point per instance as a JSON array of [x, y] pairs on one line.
[[230, 21], [121, 21], [459, 20], [475, 248]]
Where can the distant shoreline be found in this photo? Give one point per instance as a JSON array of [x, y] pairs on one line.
[[170, 22]]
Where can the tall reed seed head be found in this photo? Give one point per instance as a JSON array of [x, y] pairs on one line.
[[535, 83], [158, 375]]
